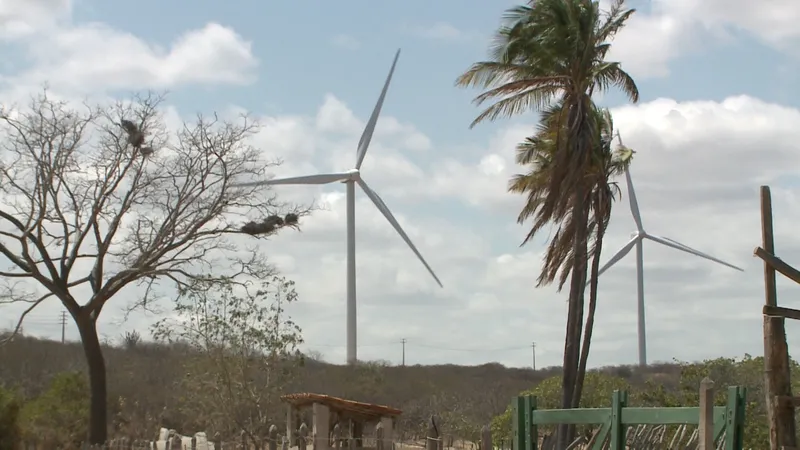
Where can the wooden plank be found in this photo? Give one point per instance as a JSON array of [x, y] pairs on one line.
[[666, 416], [779, 311], [768, 244], [581, 416], [775, 263]]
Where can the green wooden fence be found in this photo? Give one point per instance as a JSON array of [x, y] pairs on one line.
[[728, 419]]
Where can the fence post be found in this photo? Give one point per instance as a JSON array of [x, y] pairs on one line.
[[486, 438], [432, 441], [302, 434], [517, 425], [705, 426], [734, 425], [273, 437], [618, 401], [217, 439]]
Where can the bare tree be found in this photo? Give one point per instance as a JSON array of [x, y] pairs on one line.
[[97, 199]]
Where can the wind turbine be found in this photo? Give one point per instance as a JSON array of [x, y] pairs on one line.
[[637, 239], [350, 178]]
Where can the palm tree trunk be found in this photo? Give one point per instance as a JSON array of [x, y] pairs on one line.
[[574, 314], [589, 327]]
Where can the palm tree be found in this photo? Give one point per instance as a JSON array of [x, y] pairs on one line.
[[553, 52], [537, 153], [607, 164]]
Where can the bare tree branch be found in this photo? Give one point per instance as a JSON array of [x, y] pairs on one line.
[[81, 202]]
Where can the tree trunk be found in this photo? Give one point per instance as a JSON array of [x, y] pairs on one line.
[[574, 314], [87, 327], [589, 327]]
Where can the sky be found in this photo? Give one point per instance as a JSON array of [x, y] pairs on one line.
[[719, 116]]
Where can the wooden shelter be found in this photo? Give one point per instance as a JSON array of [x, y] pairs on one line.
[[328, 412]]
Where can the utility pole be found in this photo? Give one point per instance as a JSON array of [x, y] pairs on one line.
[[533, 347], [403, 341], [63, 321]]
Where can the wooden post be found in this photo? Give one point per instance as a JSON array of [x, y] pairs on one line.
[[273, 437], [217, 439], [486, 438], [706, 424], [777, 380], [432, 442]]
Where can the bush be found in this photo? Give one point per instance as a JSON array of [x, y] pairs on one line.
[[58, 417], [10, 434], [597, 390]]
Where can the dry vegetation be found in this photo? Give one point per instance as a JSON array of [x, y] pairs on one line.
[[145, 379]]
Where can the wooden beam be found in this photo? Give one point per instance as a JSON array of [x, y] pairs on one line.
[[768, 243], [777, 381], [778, 264], [778, 311]]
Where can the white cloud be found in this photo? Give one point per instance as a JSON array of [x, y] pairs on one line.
[[22, 19], [82, 57], [346, 42], [664, 30]]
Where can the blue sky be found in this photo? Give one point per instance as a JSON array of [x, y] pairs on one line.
[[718, 116]]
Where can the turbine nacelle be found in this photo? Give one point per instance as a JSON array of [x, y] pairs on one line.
[[353, 175]]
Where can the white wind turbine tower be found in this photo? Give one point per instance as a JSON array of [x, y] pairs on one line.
[[636, 240], [350, 178]]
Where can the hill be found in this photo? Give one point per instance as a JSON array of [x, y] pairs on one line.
[[145, 383]]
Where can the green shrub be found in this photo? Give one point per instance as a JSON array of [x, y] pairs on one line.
[[10, 434], [58, 417], [597, 390]]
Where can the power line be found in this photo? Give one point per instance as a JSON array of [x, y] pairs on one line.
[[405, 342], [476, 350]]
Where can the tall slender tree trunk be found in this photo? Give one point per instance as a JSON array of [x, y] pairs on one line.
[[575, 312], [87, 327], [589, 327]]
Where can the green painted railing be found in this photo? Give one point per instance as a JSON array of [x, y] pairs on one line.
[[728, 420]]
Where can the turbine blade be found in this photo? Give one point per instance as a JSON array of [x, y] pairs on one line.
[[617, 256], [637, 216], [390, 217], [324, 178], [366, 137], [685, 248]]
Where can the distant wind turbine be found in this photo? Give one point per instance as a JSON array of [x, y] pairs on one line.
[[636, 240], [350, 178]]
